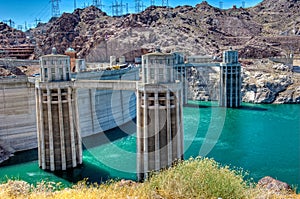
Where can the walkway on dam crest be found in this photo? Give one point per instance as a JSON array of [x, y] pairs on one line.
[[106, 84]]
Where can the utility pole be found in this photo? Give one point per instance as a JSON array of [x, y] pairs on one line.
[[127, 11], [55, 8], [98, 4], [25, 26], [75, 6]]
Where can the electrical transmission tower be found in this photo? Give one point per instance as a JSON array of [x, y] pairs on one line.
[[20, 27], [98, 4], [127, 11], [10, 22], [55, 8], [243, 4], [139, 6], [221, 4], [117, 8], [37, 21], [152, 2], [165, 3]]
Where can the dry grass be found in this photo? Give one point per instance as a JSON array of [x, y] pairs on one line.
[[195, 178]]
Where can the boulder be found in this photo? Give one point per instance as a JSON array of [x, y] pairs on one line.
[[274, 185]]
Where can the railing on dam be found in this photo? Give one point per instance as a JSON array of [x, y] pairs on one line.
[[18, 62], [106, 84], [212, 64]]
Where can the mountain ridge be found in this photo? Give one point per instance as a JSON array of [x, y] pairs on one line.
[[271, 28]]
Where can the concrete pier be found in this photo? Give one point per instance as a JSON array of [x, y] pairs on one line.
[[230, 80], [59, 141], [159, 115]]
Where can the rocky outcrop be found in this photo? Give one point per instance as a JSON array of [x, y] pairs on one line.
[[273, 185], [4, 155], [269, 82], [260, 87], [5, 151]]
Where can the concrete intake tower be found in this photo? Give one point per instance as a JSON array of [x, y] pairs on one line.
[[59, 141], [230, 80], [159, 115]]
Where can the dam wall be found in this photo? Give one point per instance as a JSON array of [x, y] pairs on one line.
[[99, 110], [17, 113]]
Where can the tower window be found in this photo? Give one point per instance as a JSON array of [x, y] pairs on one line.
[[46, 72], [151, 73]]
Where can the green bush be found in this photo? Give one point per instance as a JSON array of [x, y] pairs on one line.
[[199, 178]]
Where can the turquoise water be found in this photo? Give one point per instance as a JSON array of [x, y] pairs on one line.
[[262, 139]]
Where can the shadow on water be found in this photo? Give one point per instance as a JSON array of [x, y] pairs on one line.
[[252, 108], [21, 157], [196, 106], [110, 135], [90, 172]]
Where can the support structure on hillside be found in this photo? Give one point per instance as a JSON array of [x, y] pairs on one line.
[[59, 140], [117, 8], [165, 3], [98, 4], [152, 2], [230, 80], [159, 115], [139, 6], [55, 8]]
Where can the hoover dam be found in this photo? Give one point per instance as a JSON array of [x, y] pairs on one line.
[[97, 112]]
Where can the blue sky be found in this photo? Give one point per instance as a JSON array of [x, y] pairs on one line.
[[21, 11]]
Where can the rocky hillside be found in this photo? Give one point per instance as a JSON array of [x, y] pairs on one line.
[[256, 32], [263, 81], [268, 82], [10, 37]]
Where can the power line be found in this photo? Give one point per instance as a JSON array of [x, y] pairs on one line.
[[55, 8]]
